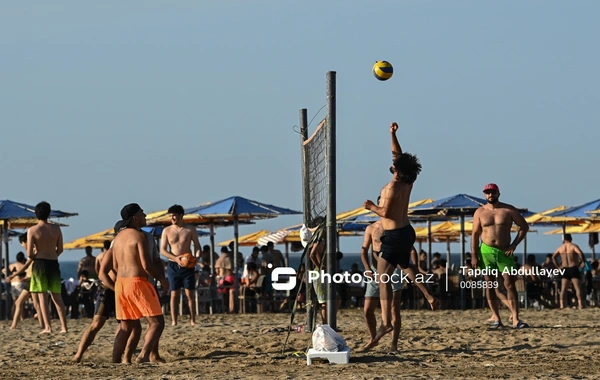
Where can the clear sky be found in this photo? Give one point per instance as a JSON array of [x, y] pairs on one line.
[[156, 102]]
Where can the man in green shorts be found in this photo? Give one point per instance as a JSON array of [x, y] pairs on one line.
[[44, 245], [492, 224]]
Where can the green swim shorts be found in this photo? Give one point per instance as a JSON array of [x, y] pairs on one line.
[[45, 276], [494, 258]]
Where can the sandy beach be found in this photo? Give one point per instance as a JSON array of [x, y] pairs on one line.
[[442, 344]]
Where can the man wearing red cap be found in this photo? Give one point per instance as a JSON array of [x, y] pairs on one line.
[[492, 224]]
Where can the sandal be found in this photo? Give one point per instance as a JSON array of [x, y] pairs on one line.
[[521, 325], [496, 325]]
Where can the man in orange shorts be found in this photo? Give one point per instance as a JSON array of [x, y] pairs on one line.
[[134, 295]]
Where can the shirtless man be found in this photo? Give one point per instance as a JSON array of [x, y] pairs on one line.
[[175, 241], [373, 234], [134, 295], [44, 245], [105, 306], [88, 263], [224, 268], [399, 235], [571, 259], [492, 224]]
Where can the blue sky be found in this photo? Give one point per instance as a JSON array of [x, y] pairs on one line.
[[155, 102]]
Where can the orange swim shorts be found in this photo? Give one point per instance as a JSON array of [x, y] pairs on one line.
[[136, 298]]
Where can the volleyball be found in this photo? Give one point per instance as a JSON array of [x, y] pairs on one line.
[[188, 260], [383, 70]]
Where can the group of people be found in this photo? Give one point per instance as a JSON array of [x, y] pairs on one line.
[[133, 258], [392, 239]]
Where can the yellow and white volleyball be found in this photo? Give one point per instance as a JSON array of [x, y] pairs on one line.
[[305, 235], [383, 70]]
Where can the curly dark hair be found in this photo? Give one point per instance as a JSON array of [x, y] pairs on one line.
[[408, 167]]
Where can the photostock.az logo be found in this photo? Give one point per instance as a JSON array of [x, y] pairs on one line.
[[288, 272]]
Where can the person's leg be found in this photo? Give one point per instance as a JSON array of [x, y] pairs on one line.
[[411, 273], [511, 291], [190, 293], [132, 342], [121, 339], [19, 305], [88, 336], [564, 283], [175, 295], [396, 320], [369, 313], [492, 296], [60, 308], [577, 286], [45, 311], [36, 307], [156, 325], [384, 270]]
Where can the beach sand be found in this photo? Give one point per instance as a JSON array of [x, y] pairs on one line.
[[442, 344]]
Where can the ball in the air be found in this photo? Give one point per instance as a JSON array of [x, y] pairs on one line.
[[383, 70], [188, 260]]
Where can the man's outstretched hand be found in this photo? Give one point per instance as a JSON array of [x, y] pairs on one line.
[[393, 127]]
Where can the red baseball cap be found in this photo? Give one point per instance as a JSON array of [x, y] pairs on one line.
[[492, 187]]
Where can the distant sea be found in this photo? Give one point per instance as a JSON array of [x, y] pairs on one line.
[[68, 269]]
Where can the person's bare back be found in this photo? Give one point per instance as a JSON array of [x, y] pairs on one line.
[[130, 254], [47, 241], [570, 255], [377, 231]]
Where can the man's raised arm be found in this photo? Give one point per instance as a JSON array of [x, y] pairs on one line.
[[396, 150]]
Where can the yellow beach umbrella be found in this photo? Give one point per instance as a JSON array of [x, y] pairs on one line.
[[585, 228], [94, 240], [542, 217]]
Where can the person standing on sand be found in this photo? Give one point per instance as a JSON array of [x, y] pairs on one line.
[[373, 234], [44, 245], [134, 295], [399, 236], [492, 224], [25, 294], [176, 240], [571, 259]]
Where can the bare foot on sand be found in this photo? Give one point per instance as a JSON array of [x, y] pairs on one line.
[[192, 323], [380, 333], [393, 350], [435, 304], [76, 359], [173, 323], [370, 345], [140, 360], [157, 359], [46, 331], [63, 331]]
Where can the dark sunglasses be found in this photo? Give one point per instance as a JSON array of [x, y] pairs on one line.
[[490, 192]]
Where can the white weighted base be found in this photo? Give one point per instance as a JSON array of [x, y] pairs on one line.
[[340, 357]]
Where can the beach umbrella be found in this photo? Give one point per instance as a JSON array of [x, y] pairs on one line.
[[97, 239], [11, 211], [585, 228], [235, 208]]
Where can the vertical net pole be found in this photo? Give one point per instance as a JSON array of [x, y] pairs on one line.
[[306, 202], [331, 209]]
